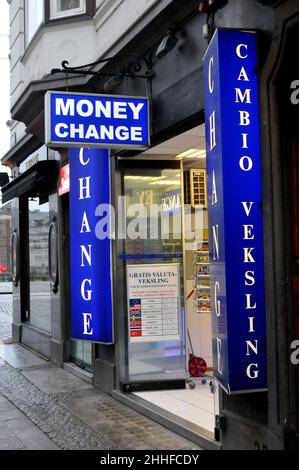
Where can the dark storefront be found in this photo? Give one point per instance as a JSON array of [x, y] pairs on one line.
[[171, 171]]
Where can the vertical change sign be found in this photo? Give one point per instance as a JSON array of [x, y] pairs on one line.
[[91, 280], [235, 214]]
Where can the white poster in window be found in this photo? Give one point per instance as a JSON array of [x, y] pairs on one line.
[[154, 302]]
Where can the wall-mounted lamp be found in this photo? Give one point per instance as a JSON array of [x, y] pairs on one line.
[[112, 83], [167, 44]]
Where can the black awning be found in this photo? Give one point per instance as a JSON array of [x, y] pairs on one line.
[[37, 181]]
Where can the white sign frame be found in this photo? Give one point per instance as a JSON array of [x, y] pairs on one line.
[[65, 144], [174, 267]]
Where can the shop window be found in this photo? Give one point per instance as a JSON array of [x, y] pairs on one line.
[[62, 8], [81, 354], [39, 314], [156, 328], [34, 17]]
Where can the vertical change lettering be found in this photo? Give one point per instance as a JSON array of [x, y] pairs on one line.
[[235, 215]]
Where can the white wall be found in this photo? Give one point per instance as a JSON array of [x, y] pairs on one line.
[[4, 89], [78, 42]]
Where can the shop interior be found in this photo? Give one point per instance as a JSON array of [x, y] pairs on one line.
[[191, 355]]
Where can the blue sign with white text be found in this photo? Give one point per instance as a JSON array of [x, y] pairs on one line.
[[91, 280], [235, 211], [89, 120]]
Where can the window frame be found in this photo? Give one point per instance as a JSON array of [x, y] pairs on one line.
[[67, 16], [27, 40], [54, 14]]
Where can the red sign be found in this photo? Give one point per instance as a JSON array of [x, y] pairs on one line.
[[64, 180], [3, 268]]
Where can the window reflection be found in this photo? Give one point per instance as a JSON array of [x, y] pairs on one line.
[[40, 297], [62, 8], [64, 5], [34, 17], [160, 243]]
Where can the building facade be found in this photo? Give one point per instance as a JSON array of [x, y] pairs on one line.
[[165, 42]]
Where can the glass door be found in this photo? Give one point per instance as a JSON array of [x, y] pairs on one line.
[[178, 183], [152, 262]]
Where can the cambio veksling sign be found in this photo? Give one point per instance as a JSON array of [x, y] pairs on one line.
[[235, 217]]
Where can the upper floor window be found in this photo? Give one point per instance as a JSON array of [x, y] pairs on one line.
[[34, 17], [38, 12], [62, 8]]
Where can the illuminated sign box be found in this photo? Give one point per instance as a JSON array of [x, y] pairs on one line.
[[89, 125], [235, 211], [92, 120], [91, 266]]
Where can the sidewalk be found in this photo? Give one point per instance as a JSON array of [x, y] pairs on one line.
[[17, 432], [45, 407]]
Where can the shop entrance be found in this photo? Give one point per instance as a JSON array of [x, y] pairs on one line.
[[165, 262]]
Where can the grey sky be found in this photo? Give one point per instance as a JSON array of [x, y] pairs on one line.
[[4, 80]]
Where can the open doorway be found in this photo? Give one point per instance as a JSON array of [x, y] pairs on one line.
[[174, 174]]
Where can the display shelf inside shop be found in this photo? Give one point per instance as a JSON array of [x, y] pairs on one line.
[[202, 303]]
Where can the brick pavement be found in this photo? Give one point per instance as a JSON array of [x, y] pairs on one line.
[[81, 418]]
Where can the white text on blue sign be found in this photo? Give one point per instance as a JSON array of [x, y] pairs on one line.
[[96, 121]]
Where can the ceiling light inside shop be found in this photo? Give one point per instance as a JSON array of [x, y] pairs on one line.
[[166, 182], [198, 154], [192, 153], [144, 178]]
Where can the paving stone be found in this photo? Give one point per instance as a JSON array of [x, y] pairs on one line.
[[5, 432], [55, 380], [48, 414], [43, 443], [11, 444], [6, 406], [19, 357], [30, 434], [20, 424], [118, 423], [13, 414]]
